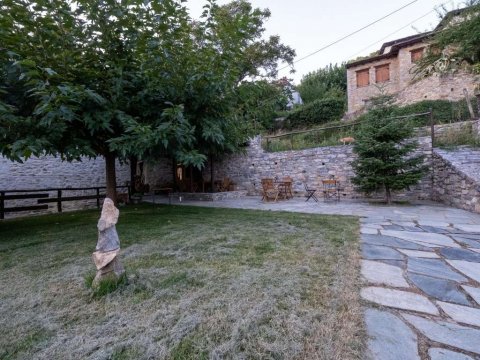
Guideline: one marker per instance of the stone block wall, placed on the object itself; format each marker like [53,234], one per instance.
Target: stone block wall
[456,178]
[308,166]
[402,85]
[50,172]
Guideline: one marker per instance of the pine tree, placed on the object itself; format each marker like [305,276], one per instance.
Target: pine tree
[384,149]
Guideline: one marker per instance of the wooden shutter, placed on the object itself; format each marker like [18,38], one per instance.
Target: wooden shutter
[416,54]
[382,73]
[363,77]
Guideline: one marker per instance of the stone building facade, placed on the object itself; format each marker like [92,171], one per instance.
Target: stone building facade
[390,72]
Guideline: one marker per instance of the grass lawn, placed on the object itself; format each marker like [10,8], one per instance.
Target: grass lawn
[202,283]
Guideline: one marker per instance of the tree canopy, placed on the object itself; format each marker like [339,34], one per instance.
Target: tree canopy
[131,77]
[328,82]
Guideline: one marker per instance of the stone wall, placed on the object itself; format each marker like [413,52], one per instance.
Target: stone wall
[401,84]
[50,172]
[308,166]
[456,178]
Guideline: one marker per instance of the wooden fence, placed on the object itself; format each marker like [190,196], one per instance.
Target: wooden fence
[43,198]
[290,135]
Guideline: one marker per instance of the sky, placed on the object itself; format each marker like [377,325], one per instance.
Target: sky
[309,25]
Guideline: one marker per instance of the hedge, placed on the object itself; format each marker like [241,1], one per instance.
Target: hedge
[317,112]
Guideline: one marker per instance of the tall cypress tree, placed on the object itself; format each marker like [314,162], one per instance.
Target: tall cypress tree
[385,154]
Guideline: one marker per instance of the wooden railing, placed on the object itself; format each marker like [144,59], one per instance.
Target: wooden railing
[291,134]
[43,198]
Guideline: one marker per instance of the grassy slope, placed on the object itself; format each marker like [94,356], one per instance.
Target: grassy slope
[203,282]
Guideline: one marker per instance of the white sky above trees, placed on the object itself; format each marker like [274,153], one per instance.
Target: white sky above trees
[308,25]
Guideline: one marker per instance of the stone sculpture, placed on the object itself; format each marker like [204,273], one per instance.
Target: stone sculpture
[108,245]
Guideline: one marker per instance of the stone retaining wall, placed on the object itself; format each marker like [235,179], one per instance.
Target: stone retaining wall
[456,178]
[307,166]
[50,172]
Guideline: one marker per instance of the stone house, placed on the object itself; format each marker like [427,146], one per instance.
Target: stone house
[390,72]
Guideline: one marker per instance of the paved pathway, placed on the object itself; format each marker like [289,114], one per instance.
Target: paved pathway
[422,270]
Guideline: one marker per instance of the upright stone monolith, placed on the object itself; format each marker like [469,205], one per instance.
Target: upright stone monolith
[108,245]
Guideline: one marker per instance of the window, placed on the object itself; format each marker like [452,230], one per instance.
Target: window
[416,55]
[363,77]
[382,73]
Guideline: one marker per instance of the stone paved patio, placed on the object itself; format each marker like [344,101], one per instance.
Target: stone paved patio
[422,270]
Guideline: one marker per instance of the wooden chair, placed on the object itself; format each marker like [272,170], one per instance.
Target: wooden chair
[330,189]
[288,181]
[310,193]
[269,191]
[224,185]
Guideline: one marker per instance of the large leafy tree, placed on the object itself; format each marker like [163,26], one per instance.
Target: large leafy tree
[385,154]
[122,78]
[328,82]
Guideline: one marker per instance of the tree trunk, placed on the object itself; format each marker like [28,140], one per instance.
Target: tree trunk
[211,173]
[111,179]
[388,195]
[133,172]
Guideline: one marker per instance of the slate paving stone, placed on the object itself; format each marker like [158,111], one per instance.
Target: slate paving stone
[461,314]
[471,269]
[380,273]
[436,230]
[460,254]
[398,263]
[413,229]
[389,337]
[392,242]
[461,337]
[373,252]
[469,228]
[433,223]
[398,299]
[444,354]
[425,239]
[419,254]
[367,230]
[393,227]
[434,268]
[468,242]
[473,292]
[468,236]
[438,288]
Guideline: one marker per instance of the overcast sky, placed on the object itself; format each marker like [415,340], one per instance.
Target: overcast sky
[308,25]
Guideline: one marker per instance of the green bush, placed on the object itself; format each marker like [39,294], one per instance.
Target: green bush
[444,111]
[317,112]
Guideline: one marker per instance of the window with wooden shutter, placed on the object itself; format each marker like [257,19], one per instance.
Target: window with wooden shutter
[363,78]
[416,55]
[382,73]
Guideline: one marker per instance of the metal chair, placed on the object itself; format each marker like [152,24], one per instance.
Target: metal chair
[310,193]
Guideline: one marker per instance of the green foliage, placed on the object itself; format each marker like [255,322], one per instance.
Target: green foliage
[258,103]
[385,160]
[317,112]
[329,82]
[128,78]
[458,136]
[444,111]
[456,45]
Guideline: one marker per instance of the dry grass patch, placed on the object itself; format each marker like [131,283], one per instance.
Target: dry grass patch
[203,283]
